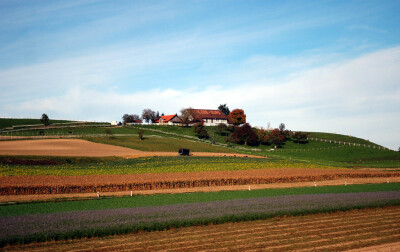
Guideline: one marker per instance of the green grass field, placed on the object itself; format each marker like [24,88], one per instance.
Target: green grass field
[171,138]
[154,143]
[26,166]
[9,122]
[171,199]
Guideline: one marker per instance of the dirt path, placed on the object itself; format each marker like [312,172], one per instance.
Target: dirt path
[83,148]
[44,197]
[355,229]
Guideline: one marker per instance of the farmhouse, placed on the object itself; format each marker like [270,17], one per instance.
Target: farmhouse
[169,120]
[208,117]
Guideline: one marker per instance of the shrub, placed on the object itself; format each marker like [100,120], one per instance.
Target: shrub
[201,131]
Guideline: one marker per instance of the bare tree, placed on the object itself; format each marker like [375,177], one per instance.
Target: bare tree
[282,127]
[187,115]
[149,115]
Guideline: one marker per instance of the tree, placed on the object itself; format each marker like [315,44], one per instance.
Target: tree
[300,137]
[109,133]
[187,116]
[141,134]
[276,137]
[45,119]
[200,131]
[221,129]
[282,127]
[238,116]
[224,109]
[245,135]
[149,115]
[263,136]
[130,118]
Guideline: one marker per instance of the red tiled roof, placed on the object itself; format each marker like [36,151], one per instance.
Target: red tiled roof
[167,117]
[209,114]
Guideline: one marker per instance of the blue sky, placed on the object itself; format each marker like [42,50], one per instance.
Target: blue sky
[331,66]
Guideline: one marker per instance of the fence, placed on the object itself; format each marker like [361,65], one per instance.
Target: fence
[373,146]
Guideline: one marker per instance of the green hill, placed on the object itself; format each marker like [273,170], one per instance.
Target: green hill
[10,122]
[321,148]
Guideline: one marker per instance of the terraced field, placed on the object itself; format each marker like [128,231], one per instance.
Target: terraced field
[320,232]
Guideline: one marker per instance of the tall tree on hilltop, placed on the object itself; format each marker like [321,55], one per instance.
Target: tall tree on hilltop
[149,115]
[238,116]
[224,109]
[45,119]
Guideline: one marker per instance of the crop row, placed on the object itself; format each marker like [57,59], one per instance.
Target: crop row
[146,165]
[66,225]
[157,185]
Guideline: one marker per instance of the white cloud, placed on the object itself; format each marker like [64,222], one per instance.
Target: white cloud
[360,97]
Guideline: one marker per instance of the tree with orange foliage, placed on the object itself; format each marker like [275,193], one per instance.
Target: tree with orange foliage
[238,116]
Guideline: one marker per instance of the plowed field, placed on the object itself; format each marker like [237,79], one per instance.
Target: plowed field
[24,185]
[82,148]
[321,232]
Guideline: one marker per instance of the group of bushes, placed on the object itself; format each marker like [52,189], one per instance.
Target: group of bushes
[247,135]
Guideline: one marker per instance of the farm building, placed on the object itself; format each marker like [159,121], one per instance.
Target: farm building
[169,120]
[135,122]
[208,117]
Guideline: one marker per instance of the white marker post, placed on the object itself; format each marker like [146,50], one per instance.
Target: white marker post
[345,183]
[131,193]
[315,184]
[387,181]
[249,188]
[98,195]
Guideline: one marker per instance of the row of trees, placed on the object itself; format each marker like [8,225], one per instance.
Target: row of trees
[247,135]
[148,116]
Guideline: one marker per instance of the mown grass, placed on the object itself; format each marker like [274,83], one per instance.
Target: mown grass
[171,199]
[14,166]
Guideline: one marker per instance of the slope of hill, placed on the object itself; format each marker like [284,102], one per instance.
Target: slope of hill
[10,122]
[322,148]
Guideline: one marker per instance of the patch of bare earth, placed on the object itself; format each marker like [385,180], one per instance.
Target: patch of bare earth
[83,148]
[355,229]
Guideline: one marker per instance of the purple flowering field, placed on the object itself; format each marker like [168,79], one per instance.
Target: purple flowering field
[146,218]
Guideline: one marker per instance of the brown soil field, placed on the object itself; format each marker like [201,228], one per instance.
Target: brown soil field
[24,185]
[45,197]
[83,148]
[339,231]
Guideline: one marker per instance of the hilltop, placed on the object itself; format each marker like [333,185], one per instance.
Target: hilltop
[321,148]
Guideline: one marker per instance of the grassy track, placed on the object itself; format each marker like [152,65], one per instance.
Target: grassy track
[171,199]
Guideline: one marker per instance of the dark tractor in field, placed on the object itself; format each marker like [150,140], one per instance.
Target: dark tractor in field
[184,152]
